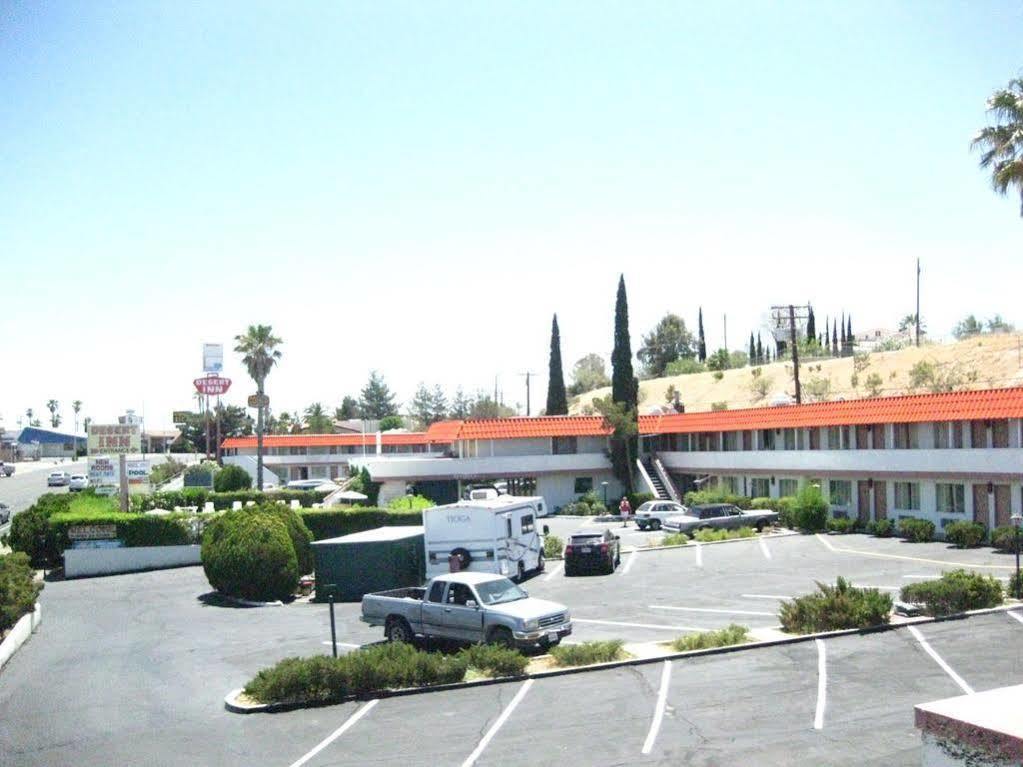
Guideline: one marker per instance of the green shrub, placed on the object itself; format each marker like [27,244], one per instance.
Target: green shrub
[336,521]
[675,539]
[810,510]
[955,592]
[198,496]
[731,634]
[18,589]
[710,536]
[1002,538]
[965,535]
[697,497]
[495,660]
[763,503]
[583,508]
[882,528]
[837,607]
[916,530]
[232,478]
[165,470]
[249,555]
[199,475]
[638,499]
[132,529]
[322,679]
[786,508]
[588,653]
[301,537]
[30,531]
[1013,589]
[410,503]
[553,547]
[843,526]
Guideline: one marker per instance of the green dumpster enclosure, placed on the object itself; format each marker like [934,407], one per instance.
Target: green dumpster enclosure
[373,560]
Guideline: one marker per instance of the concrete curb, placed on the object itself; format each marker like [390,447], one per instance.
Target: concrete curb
[230,705]
[692,542]
[23,629]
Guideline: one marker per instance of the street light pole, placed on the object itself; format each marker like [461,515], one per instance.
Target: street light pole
[1016,519]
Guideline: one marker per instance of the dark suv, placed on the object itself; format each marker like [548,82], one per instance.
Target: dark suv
[592,550]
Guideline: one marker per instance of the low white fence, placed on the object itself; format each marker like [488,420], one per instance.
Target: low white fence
[18,635]
[80,563]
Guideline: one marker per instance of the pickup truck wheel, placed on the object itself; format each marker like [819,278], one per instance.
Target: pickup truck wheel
[398,630]
[501,636]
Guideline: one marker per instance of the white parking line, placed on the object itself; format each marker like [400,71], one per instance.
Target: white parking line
[822,685]
[766,596]
[940,661]
[825,541]
[921,577]
[1014,614]
[763,548]
[554,572]
[662,700]
[628,563]
[639,625]
[342,644]
[497,725]
[336,734]
[708,610]
[699,555]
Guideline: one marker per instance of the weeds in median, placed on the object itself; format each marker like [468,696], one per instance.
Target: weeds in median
[832,608]
[709,536]
[955,592]
[553,547]
[674,539]
[588,652]
[495,660]
[732,634]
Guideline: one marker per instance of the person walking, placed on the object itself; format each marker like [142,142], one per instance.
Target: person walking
[624,509]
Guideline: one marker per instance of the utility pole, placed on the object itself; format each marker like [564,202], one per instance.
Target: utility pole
[779,313]
[527,374]
[918,302]
[726,333]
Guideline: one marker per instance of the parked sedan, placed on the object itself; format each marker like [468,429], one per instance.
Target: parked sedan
[718,516]
[78,482]
[58,479]
[589,550]
[653,514]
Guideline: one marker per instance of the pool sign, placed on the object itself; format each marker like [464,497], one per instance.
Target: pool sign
[212,386]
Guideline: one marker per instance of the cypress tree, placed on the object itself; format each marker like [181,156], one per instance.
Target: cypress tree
[760,350]
[752,350]
[701,351]
[848,332]
[624,387]
[841,326]
[834,338]
[557,402]
[827,335]
[811,327]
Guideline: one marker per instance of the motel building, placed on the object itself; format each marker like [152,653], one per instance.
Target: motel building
[943,457]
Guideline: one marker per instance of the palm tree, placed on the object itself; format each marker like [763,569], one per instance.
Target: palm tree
[317,421]
[28,415]
[258,347]
[52,406]
[1002,144]
[76,405]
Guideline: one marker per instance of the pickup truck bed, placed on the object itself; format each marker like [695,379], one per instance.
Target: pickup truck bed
[416,593]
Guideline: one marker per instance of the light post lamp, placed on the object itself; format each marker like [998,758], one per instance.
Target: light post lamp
[604,485]
[1016,520]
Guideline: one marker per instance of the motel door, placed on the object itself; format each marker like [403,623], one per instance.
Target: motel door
[1002,505]
[980,513]
[863,502]
[880,500]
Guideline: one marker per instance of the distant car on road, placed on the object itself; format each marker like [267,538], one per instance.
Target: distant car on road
[306,484]
[592,550]
[58,479]
[5,514]
[653,514]
[6,469]
[719,516]
[78,482]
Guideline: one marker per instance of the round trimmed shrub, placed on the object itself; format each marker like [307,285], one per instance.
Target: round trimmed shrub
[882,528]
[810,510]
[249,555]
[1004,538]
[301,538]
[231,478]
[916,530]
[965,535]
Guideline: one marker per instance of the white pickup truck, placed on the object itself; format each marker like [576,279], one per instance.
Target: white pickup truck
[470,607]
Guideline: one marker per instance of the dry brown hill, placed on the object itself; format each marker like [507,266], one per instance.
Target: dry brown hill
[981,362]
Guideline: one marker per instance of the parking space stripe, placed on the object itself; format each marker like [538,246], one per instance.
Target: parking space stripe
[822,685]
[699,555]
[1014,614]
[640,625]
[341,644]
[766,596]
[485,741]
[708,610]
[940,661]
[349,723]
[554,572]
[662,700]
[763,548]
[881,555]
[628,563]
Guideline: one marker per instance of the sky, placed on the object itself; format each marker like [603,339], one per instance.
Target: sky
[417,188]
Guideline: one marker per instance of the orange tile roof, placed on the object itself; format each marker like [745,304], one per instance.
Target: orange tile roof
[537,426]
[326,440]
[444,431]
[914,408]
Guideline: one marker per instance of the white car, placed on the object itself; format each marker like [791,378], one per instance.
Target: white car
[653,514]
[78,482]
[58,479]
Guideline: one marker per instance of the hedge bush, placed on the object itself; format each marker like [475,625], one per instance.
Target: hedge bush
[30,531]
[197,496]
[322,679]
[843,526]
[638,499]
[954,592]
[300,535]
[731,634]
[675,539]
[832,608]
[249,555]
[1014,588]
[810,510]
[709,536]
[965,535]
[1002,538]
[882,528]
[553,547]
[231,478]
[583,509]
[587,653]
[495,660]
[18,589]
[697,497]
[334,522]
[410,503]
[132,529]
[916,530]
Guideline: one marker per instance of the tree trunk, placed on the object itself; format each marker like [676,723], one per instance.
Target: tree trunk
[259,437]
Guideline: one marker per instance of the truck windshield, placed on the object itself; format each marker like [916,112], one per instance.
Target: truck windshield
[499,592]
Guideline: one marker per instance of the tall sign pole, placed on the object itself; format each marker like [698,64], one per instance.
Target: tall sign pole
[794,313]
[795,353]
[918,302]
[122,466]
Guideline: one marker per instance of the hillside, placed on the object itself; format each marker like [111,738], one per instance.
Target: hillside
[981,362]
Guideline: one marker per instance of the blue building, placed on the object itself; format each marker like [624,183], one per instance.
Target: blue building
[34,442]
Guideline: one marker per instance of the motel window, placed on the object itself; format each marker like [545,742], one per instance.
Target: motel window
[905,437]
[787,487]
[729,484]
[834,438]
[862,437]
[978,434]
[730,440]
[583,485]
[950,498]
[790,439]
[840,492]
[948,434]
[565,445]
[747,440]
[760,487]
[1000,433]
[767,439]
[814,439]
[522,486]
[296,450]
[907,496]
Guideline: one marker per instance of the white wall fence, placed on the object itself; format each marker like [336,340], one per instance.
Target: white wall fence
[23,629]
[81,563]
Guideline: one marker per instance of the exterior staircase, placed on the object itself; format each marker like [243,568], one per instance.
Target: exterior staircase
[653,481]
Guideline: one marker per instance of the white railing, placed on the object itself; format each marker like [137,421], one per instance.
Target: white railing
[651,487]
[666,480]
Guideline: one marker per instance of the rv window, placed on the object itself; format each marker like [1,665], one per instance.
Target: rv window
[527,523]
[507,521]
[437,591]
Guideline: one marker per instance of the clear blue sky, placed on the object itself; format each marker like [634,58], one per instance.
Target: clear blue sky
[417,187]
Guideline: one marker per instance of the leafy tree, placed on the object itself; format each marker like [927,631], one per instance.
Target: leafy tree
[391,422]
[624,424]
[908,323]
[234,422]
[738,359]
[258,347]
[588,374]
[460,405]
[968,326]
[439,404]
[28,416]
[557,402]
[349,409]
[1001,144]
[685,367]
[231,478]
[484,406]
[850,339]
[428,405]
[997,325]
[76,406]
[376,400]
[701,349]
[719,360]
[624,392]
[827,336]
[317,421]
[52,405]
[670,340]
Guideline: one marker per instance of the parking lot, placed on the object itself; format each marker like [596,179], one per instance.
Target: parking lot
[133,670]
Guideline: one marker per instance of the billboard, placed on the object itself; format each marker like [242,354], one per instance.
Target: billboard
[115,438]
[212,358]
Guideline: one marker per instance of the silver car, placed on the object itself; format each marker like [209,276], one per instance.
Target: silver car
[653,514]
[720,516]
[58,479]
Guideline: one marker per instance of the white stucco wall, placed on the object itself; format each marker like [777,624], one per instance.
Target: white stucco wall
[80,563]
